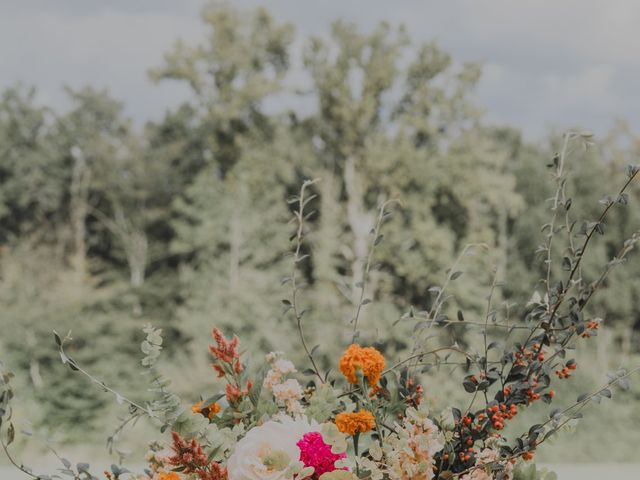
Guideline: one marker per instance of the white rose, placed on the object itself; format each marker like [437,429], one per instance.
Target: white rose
[267,451]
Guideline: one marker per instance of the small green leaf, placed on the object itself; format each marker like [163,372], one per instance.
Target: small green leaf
[11,434]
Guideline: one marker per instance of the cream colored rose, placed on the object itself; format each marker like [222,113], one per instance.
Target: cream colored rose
[268,451]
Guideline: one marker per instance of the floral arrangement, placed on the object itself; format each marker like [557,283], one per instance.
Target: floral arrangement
[366,418]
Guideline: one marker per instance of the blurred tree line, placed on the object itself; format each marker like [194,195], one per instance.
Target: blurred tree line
[184,223]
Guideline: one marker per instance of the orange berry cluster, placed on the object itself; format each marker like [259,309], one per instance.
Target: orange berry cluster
[532,395]
[498,414]
[465,457]
[591,326]
[524,356]
[466,424]
[565,372]
[526,456]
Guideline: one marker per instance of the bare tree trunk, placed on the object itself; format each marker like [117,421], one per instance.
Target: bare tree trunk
[79,206]
[360,222]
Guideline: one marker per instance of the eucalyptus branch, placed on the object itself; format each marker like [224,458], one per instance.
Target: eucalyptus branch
[66,360]
[6,412]
[112,439]
[19,466]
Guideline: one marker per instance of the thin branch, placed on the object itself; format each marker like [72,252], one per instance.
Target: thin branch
[590,234]
[119,397]
[375,236]
[297,258]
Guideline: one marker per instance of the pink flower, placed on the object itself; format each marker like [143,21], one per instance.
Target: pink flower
[314,452]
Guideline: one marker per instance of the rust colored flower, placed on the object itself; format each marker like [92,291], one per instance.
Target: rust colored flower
[188,455]
[356,422]
[367,359]
[214,472]
[219,370]
[191,459]
[226,351]
[234,394]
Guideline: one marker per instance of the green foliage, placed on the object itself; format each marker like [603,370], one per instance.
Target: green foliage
[106,226]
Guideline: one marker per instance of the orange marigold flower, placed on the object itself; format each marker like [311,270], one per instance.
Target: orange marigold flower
[214,409]
[356,422]
[169,476]
[197,408]
[210,410]
[369,360]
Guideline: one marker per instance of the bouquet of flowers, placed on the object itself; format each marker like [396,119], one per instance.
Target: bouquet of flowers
[365,418]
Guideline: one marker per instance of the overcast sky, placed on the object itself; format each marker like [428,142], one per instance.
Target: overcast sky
[546,63]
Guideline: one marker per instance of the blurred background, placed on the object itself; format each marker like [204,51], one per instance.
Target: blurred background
[147,150]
